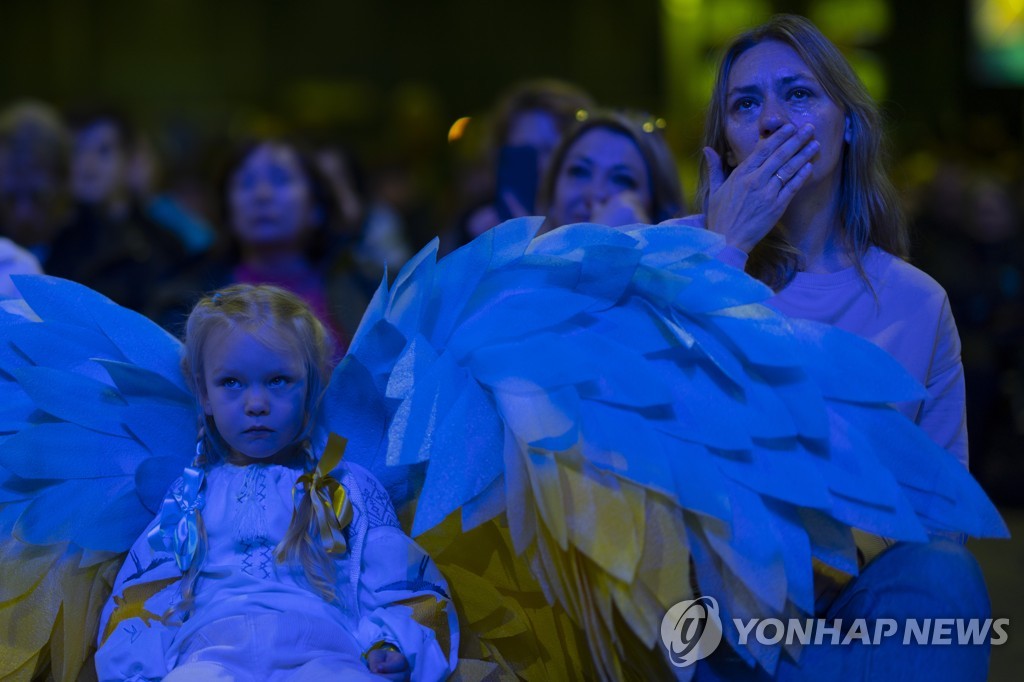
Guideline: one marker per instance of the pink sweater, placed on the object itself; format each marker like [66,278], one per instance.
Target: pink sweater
[910,319]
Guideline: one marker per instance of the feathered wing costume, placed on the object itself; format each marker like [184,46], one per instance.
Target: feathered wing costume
[573,423]
[96,423]
[578,416]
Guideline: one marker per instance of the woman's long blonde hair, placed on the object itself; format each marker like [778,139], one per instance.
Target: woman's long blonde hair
[276,317]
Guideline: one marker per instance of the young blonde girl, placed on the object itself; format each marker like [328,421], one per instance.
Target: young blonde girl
[271,559]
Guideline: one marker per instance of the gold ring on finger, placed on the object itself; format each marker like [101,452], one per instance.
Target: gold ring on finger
[781,179]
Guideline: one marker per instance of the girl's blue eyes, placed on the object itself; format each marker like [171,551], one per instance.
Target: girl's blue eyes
[231,382]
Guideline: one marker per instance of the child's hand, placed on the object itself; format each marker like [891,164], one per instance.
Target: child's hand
[389,663]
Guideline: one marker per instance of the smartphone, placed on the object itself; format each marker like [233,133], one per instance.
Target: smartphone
[517,175]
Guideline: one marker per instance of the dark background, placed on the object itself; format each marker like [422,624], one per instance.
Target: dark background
[388,77]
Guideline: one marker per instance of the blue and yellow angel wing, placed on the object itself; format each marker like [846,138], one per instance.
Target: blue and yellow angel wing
[580,418]
[96,422]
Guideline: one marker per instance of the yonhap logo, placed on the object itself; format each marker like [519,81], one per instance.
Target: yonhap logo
[691,630]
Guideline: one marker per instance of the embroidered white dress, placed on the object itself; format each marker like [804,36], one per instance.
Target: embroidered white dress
[257,619]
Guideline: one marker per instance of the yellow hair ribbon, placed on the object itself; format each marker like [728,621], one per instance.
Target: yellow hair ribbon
[332,509]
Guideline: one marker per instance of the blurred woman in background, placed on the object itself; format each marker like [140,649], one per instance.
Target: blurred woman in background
[277,212]
[109,244]
[612,168]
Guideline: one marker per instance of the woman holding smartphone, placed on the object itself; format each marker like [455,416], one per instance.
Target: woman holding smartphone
[528,122]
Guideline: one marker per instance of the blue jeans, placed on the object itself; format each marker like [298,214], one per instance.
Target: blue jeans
[938,579]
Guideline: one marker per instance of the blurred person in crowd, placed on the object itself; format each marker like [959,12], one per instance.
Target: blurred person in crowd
[370,230]
[969,238]
[278,214]
[33,175]
[528,123]
[15,260]
[109,244]
[117,169]
[613,168]
[163,208]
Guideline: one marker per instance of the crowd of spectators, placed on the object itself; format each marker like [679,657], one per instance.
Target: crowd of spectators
[85,194]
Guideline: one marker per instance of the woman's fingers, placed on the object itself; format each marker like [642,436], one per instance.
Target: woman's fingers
[767,147]
[745,205]
[791,156]
[793,185]
[716,172]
